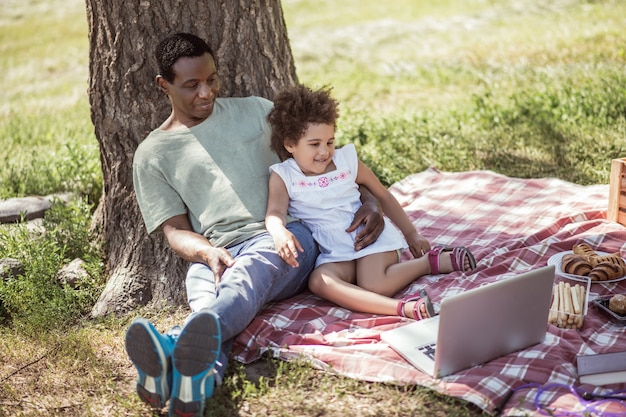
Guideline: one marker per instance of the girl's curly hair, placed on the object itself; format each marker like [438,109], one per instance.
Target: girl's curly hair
[294,110]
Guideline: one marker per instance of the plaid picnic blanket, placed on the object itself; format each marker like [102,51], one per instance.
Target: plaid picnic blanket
[511,225]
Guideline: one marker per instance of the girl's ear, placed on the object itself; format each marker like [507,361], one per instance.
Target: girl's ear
[290,145]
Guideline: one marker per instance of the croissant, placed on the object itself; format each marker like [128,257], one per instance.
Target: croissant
[575,264]
[605,271]
[583,249]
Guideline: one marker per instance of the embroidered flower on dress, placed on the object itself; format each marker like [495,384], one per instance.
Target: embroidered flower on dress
[321,182]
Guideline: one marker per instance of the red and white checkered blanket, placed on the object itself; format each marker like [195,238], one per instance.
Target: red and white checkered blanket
[511,225]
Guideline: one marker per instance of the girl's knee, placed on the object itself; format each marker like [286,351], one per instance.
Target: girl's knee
[320,284]
[315,283]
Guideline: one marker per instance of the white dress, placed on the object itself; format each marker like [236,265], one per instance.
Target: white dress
[326,205]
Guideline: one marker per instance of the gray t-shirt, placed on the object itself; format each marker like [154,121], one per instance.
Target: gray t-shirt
[215,172]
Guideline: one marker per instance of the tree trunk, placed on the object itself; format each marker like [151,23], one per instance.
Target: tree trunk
[253,58]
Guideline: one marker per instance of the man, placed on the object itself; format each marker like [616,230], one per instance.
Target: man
[201,180]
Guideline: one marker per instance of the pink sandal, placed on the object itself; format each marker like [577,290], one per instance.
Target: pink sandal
[422,298]
[458,255]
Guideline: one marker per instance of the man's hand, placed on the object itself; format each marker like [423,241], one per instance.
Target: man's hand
[369,216]
[194,247]
[218,259]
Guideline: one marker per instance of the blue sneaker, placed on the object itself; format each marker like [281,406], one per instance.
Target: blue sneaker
[195,354]
[151,353]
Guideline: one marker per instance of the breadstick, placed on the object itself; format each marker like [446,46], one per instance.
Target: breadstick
[569,309]
[567,306]
[563,314]
[579,321]
[583,297]
[554,308]
[575,302]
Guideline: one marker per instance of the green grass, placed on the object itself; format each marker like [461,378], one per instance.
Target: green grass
[517,88]
[526,89]
[47,141]
[36,301]
[570,130]
[43,55]
[48,153]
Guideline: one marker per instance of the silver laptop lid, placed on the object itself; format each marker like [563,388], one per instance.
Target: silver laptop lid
[493,320]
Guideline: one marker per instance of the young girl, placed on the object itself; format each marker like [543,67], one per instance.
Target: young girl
[319,185]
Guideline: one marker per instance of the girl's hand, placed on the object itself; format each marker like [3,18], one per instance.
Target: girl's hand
[287,246]
[418,244]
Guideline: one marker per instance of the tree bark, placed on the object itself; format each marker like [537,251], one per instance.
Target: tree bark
[253,57]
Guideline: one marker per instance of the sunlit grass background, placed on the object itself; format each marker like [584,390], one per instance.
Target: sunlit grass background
[526,89]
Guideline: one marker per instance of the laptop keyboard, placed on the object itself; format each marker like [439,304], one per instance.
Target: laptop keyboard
[428,350]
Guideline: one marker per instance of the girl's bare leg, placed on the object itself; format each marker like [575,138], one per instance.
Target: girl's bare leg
[336,282]
[382,273]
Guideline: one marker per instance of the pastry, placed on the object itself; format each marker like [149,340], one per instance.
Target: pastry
[575,264]
[614,258]
[605,271]
[617,304]
[584,250]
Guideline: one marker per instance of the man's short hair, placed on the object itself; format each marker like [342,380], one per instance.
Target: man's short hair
[177,46]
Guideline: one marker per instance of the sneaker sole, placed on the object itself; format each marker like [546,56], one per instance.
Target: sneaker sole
[196,351]
[148,357]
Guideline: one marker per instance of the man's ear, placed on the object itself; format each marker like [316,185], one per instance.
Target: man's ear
[162,84]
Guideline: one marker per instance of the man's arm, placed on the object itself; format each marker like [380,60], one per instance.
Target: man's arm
[370,217]
[194,247]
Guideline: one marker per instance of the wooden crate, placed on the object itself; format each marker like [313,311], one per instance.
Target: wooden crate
[617,192]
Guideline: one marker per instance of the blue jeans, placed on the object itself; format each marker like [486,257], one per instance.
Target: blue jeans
[258,276]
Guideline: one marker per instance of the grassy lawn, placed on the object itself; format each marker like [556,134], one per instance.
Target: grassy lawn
[526,89]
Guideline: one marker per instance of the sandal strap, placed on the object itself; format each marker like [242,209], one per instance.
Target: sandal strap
[400,308]
[459,254]
[421,298]
[417,312]
[430,309]
[433,259]
[457,258]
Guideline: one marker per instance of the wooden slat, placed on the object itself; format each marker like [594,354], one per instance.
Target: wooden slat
[617,188]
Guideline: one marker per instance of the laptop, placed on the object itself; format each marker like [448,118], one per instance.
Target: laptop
[478,325]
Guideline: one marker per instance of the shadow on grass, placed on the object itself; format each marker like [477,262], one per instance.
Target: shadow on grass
[277,388]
